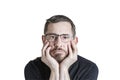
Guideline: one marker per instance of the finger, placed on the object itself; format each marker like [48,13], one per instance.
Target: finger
[48,52]
[44,48]
[69,49]
[45,43]
[74,47]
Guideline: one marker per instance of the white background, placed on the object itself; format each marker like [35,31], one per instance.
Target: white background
[21,27]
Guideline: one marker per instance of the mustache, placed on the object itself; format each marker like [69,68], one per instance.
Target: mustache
[58,49]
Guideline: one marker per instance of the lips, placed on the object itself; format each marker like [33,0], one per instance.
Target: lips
[58,51]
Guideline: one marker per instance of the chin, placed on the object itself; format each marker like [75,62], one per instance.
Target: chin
[60,58]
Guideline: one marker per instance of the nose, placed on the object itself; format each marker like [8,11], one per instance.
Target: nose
[58,42]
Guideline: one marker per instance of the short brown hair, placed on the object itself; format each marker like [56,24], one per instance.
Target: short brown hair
[59,18]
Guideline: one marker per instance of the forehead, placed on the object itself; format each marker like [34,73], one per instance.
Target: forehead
[59,28]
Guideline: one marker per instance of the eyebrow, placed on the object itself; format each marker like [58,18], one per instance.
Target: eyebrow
[55,34]
[50,34]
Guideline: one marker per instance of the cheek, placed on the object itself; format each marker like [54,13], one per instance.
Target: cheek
[65,48]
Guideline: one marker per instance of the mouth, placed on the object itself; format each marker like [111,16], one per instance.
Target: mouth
[58,52]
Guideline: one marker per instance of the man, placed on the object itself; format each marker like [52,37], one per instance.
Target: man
[59,60]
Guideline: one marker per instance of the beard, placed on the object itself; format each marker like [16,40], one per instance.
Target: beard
[58,54]
[59,58]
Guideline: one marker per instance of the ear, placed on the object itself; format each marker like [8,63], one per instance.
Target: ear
[75,40]
[43,39]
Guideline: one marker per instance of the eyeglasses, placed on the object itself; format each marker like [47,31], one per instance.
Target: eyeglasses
[53,37]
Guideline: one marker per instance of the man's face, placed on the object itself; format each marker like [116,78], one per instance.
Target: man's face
[59,36]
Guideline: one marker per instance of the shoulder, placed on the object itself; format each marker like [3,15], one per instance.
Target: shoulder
[85,64]
[89,65]
[33,65]
[34,62]
[84,68]
[83,61]
[35,69]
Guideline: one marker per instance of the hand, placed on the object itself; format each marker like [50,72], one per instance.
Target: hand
[48,59]
[72,56]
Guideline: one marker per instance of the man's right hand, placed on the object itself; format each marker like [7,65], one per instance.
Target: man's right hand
[50,62]
[48,59]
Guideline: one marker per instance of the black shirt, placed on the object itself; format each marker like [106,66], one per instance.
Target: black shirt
[82,69]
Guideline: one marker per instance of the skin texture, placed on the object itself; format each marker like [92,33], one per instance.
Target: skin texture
[58,55]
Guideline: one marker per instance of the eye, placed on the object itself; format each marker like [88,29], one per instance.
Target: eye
[52,37]
[65,37]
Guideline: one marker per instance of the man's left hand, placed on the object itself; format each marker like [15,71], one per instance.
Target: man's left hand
[72,56]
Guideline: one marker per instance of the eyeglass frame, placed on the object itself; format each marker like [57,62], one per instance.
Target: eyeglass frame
[56,37]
